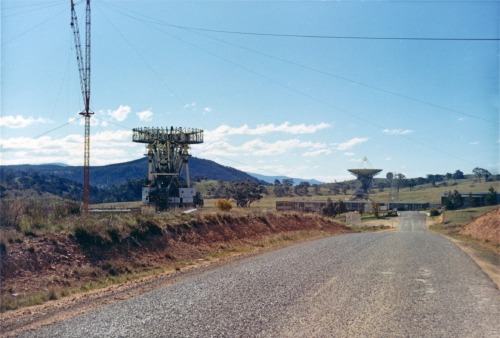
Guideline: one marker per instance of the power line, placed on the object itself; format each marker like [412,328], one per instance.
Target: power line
[33,28]
[56,128]
[153,21]
[359,117]
[349,80]
[153,71]
[115,124]
[39,6]
[315,36]
[333,37]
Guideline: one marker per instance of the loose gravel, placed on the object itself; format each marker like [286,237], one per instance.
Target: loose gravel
[405,283]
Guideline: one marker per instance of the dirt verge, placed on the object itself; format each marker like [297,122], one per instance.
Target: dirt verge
[62,267]
[480,239]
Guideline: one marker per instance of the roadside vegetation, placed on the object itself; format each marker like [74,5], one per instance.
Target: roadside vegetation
[451,222]
[49,249]
[484,242]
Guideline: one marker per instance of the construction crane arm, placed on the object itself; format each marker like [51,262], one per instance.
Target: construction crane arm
[78,46]
[83,69]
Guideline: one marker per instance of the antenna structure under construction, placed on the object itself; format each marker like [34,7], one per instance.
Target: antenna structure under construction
[168,184]
[84,71]
[364,175]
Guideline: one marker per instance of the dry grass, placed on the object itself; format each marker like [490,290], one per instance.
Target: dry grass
[428,193]
[451,222]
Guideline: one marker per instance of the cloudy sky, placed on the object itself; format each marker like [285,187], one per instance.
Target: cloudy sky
[298,88]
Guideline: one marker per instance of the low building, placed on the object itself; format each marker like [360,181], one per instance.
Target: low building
[409,206]
[473,199]
[365,206]
[317,206]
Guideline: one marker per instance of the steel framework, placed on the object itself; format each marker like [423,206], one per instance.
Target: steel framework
[168,155]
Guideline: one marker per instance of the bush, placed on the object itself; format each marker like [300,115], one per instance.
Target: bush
[434,212]
[87,237]
[223,204]
[12,212]
[146,228]
[391,213]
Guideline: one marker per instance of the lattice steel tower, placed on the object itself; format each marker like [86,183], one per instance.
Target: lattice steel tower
[168,184]
[84,71]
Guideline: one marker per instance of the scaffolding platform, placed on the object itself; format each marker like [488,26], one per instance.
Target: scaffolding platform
[173,135]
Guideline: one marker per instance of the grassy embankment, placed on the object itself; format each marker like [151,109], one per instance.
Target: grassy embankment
[450,223]
[50,251]
[33,222]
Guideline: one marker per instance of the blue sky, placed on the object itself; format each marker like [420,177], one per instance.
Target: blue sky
[305,95]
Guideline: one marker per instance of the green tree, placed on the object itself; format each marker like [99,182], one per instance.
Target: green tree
[341,207]
[245,193]
[454,201]
[287,184]
[491,198]
[279,190]
[411,184]
[458,175]
[329,209]
[375,209]
[198,200]
[471,201]
[302,188]
[480,172]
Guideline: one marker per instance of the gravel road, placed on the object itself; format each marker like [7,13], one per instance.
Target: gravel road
[405,283]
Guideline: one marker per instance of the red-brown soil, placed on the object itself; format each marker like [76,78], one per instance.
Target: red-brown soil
[486,227]
[46,265]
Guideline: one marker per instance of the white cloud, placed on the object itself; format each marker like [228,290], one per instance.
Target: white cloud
[474,143]
[146,115]
[348,153]
[257,147]
[112,136]
[120,114]
[191,105]
[106,147]
[316,153]
[397,131]
[388,158]
[351,143]
[207,110]
[223,131]
[19,121]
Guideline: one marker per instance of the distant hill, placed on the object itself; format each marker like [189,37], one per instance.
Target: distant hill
[118,182]
[271,179]
[115,174]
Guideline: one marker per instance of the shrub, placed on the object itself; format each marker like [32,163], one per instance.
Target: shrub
[434,212]
[12,212]
[392,213]
[223,204]
[114,234]
[87,237]
[146,228]
[3,247]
